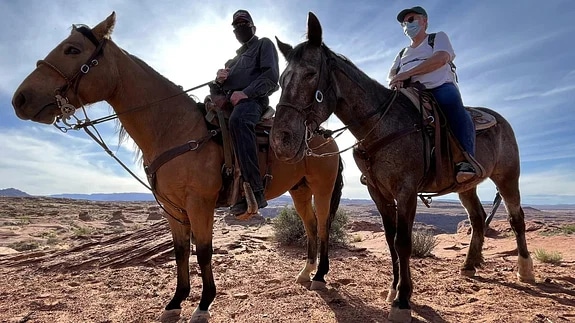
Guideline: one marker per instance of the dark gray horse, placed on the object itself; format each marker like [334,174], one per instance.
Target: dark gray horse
[317,82]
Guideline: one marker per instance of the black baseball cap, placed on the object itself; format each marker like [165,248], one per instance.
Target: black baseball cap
[242,15]
[404,12]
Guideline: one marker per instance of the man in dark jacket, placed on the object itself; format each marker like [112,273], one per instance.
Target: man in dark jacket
[248,80]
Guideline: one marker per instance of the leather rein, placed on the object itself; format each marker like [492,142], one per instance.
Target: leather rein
[68,110]
[384,108]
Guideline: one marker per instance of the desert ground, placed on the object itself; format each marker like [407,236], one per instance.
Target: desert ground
[65,260]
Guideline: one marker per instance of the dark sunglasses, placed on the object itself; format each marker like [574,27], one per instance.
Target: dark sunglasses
[409,20]
[242,24]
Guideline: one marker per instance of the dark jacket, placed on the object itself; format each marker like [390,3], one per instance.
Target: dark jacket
[255,70]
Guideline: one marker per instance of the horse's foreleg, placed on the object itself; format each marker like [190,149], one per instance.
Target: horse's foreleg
[181,239]
[322,206]
[302,201]
[388,212]
[202,219]
[509,190]
[401,308]
[477,216]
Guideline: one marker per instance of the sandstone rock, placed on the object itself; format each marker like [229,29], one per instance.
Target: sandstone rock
[85,216]
[117,216]
[241,295]
[154,216]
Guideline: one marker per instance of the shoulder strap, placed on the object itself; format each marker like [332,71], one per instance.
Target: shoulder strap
[431,40]
[402,51]
[399,63]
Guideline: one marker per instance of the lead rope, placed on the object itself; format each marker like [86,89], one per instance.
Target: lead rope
[309,150]
[86,123]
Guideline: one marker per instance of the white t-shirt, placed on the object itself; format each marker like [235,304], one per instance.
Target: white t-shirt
[415,56]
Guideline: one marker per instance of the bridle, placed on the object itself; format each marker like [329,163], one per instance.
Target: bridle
[309,114]
[307,111]
[67,111]
[66,108]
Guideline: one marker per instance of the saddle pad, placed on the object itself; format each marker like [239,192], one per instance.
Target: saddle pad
[482,119]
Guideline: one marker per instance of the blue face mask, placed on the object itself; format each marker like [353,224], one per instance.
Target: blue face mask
[411,29]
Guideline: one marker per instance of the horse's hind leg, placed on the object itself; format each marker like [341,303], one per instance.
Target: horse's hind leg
[477,217]
[181,240]
[509,190]
[302,198]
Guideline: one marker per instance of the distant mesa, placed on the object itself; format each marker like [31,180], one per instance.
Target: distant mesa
[108,197]
[529,208]
[12,192]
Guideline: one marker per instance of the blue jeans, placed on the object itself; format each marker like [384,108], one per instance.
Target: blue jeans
[243,120]
[459,120]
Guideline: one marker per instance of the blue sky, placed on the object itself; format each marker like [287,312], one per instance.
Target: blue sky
[515,57]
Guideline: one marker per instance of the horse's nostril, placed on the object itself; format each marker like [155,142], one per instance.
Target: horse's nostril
[18,100]
[285,137]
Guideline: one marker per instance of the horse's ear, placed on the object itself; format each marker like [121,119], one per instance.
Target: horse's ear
[285,49]
[105,28]
[313,30]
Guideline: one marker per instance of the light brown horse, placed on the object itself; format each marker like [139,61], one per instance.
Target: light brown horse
[89,67]
[317,82]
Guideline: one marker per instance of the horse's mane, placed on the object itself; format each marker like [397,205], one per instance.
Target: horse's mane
[148,68]
[344,64]
[122,133]
[355,73]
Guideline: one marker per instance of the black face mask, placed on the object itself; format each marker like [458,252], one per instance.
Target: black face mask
[243,33]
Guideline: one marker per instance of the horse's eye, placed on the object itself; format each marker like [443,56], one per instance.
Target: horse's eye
[72,51]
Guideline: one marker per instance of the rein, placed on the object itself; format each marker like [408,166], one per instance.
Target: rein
[326,133]
[68,111]
[87,122]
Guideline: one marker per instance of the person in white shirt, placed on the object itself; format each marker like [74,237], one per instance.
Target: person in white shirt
[432,67]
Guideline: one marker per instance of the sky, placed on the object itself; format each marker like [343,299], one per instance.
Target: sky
[516,57]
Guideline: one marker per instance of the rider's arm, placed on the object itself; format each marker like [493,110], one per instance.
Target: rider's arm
[393,69]
[442,54]
[437,60]
[267,82]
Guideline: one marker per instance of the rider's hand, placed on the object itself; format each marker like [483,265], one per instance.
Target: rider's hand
[222,75]
[396,81]
[237,96]
[396,85]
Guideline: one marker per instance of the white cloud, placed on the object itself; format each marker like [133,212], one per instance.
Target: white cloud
[501,65]
[31,161]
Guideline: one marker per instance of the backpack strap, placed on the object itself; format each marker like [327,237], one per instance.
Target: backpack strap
[431,39]
[431,42]
[399,63]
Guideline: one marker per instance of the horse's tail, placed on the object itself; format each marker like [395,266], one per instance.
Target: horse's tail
[336,194]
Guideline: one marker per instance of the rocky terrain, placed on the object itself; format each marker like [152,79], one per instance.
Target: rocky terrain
[64,260]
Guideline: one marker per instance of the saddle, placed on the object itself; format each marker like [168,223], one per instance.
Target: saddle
[440,136]
[217,115]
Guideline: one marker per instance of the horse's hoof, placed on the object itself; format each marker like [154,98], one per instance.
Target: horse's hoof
[200,316]
[399,315]
[467,272]
[169,316]
[317,285]
[391,295]
[245,216]
[525,270]
[302,279]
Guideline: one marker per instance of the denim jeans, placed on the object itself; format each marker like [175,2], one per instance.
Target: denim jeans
[243,120]
[459,120]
